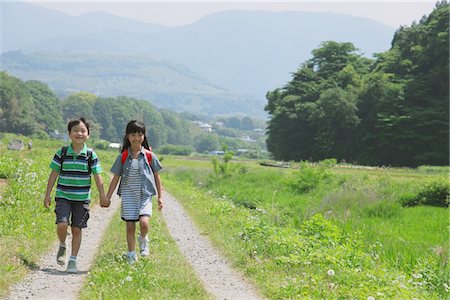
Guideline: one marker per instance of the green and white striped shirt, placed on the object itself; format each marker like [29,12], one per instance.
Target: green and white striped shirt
[74,180]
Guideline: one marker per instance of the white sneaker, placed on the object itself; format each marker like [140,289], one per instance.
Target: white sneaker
[143,245]
[131,259]
[72,266]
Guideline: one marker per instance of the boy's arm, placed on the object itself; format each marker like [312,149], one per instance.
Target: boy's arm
[159,189]
[50,184]
[104,202]
[112,186]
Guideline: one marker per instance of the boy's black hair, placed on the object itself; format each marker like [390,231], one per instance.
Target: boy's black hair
[135,126]
[77,122]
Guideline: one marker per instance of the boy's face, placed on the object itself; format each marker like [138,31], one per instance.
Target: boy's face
[136,139]
[79,134]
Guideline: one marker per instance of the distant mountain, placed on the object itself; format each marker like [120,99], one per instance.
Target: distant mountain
[163,83]
[248,52]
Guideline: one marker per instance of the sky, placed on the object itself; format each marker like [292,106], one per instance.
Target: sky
[177,13]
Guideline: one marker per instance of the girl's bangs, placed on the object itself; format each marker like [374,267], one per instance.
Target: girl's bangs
[135,128]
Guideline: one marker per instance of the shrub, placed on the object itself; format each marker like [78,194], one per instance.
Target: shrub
[175,150]
[434,193]
[307,177]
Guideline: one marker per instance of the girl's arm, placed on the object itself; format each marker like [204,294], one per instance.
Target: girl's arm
[159,190]
[112,186]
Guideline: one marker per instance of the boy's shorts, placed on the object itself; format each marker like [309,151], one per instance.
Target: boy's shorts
[77,211]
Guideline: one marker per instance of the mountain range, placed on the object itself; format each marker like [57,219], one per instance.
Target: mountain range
[223,63]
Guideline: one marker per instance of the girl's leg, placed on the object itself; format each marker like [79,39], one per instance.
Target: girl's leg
[131,239]
[143,225]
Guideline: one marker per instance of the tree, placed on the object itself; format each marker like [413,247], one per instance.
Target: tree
[314,116]
[48,107]
[17,110]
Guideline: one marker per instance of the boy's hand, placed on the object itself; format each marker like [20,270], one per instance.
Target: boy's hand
[47,201]
[160,203]
[105,201]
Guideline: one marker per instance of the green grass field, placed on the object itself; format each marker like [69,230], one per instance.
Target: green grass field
[286,229]
[328,232]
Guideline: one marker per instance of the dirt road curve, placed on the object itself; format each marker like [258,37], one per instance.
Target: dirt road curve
[51,281]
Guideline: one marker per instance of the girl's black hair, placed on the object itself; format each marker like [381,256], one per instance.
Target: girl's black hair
[134,126]
[77,122]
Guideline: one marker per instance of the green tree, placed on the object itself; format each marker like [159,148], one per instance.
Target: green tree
[48,107]
[17,110]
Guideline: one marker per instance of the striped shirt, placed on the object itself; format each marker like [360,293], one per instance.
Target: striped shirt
[74,180]
[134,203]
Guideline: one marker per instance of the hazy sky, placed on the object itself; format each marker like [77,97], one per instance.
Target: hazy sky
[175,13]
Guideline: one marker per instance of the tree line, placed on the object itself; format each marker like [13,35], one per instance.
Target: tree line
[31,108]
[390,110]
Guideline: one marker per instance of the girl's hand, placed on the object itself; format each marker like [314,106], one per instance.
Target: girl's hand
[160,203]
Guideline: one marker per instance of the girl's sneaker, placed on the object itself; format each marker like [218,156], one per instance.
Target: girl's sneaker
[143,245]
[131,258]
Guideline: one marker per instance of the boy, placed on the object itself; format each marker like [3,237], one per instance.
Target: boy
[72,166]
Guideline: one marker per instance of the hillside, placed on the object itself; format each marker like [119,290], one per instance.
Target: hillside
[244,52]
[163,83]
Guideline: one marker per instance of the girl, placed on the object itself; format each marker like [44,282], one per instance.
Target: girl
[138,169]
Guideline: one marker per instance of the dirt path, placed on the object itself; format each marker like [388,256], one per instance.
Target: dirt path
[51,281]
[217,276]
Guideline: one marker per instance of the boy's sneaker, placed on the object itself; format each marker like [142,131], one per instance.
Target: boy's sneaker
[132,258]
[61,256]
[72,266]
[143,245]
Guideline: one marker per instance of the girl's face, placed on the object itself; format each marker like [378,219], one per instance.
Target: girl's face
[79,134]
[136,139]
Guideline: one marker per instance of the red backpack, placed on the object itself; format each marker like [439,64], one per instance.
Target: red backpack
[148,153]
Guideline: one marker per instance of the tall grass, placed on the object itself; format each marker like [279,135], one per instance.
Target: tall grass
[276,233]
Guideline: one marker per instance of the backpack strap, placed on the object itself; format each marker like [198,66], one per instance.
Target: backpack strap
[90,162]
[148,154]
[63,155]
[124,156]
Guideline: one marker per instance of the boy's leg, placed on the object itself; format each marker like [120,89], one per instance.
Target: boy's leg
[62,211]
[80,216]
[61,231]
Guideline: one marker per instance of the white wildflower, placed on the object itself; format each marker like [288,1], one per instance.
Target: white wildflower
[330,272]
[370,298]
[129,278]
[417,276]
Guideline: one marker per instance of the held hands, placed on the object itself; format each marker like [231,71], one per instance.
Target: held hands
[105,201]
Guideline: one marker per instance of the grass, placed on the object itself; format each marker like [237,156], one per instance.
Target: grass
[376,247]
[163,275]
[26,227]
[333,233]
